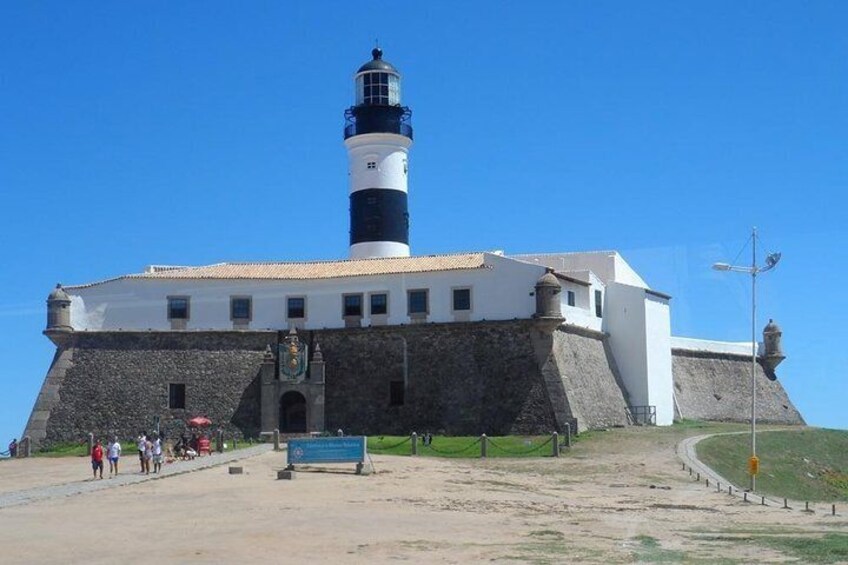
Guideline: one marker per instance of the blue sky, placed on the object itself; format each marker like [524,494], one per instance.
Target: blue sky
[198,132]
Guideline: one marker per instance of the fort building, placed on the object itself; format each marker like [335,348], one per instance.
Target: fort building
[386,341]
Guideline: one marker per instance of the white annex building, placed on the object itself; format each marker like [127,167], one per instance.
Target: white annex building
[381,284]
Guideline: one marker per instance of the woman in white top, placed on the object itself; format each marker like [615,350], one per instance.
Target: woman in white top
[157,454]
[113,453]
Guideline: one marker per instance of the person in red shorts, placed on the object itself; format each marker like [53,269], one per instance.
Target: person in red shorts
[97,459]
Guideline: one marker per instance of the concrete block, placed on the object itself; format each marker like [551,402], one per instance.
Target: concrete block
[285,474]
[236,470]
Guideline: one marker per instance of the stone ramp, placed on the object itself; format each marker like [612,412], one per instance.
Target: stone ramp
[37,494]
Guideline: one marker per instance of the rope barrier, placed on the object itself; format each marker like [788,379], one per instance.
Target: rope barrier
[386,447]
[521,452]
[452,451]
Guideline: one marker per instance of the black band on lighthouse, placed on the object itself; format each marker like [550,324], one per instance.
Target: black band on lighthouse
[378,214]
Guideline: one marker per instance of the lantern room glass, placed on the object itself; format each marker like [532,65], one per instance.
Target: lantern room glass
[378,89]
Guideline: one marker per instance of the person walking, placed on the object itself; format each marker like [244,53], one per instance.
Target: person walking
[13,448]
[114,453]
[97,459]
[141,444]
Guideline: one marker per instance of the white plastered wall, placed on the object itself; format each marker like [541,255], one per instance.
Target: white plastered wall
[639,326]
[503,291]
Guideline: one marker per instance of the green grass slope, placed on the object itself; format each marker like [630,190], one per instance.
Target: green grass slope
[807,464]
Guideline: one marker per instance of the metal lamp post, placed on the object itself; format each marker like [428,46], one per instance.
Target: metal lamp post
[753,270]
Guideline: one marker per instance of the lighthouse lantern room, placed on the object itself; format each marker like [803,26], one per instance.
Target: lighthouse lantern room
[378,135]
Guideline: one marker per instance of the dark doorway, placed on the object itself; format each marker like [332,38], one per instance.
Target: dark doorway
[293,413]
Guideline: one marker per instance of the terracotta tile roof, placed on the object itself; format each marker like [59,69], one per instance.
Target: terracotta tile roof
[311,269]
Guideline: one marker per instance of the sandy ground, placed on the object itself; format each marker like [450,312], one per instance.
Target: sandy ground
[622,500]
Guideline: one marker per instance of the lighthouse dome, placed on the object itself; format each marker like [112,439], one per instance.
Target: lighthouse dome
[377,63]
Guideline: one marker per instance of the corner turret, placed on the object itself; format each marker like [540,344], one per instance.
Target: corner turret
[58,315]
[547,296]
[772,349]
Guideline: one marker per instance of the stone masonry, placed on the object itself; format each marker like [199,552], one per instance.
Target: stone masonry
[510,377]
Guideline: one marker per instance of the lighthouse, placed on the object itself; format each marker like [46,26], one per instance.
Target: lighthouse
[378,135]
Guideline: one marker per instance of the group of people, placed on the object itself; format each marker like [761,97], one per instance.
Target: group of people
[112,453]
[188,448]
[13,448]
[151,452]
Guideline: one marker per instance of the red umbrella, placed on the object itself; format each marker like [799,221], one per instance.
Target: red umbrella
[199,421]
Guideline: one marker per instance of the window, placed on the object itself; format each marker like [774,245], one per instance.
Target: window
[372,164]
[396,393]
[240,308]
[417,301]
[379,304]
[176,396]
[296,307]
[462,299]
[599,303]
[178,307]
[570,295]
[352,305]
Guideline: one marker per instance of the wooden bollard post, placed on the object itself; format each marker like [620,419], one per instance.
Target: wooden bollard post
[718,486]
[414,438]
[219,441]
[276,439]
[684,466]
[807,506]
[235,441]
[90,443]
[555,442]
[568,434]
[708,482]
[745,497]
[483,446]
[763,501]
[699,477]
[690,471]
[785,504]
[730,490]
[833,510]
[27,449]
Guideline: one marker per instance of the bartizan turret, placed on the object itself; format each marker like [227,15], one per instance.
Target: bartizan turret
[772,349]
[547,296]
[58,315]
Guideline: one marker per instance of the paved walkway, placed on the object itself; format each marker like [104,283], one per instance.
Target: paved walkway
[29,496]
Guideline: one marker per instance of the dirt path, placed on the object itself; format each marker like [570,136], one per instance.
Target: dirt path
[620,500]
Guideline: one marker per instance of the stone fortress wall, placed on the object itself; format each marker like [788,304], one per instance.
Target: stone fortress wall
[511,377]
[717,386]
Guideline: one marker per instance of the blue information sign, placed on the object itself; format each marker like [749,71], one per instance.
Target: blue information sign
[327,450]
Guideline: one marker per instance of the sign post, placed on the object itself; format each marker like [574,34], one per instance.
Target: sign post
[351,449]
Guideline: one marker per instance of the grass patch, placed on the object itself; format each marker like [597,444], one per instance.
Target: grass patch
[829,548]
[68,449]
[809,464]
[464,447]
[647,541]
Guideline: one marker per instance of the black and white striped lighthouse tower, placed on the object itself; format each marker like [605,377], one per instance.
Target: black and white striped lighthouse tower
[378,134]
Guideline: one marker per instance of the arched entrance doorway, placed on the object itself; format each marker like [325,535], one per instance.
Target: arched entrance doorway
[292,413]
